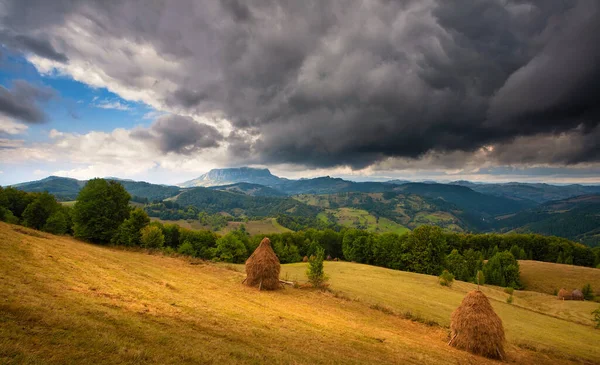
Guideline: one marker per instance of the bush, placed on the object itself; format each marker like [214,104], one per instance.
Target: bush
[446,279]
[230,248]
[509,290]
[316,272]
[596,318]
[509,300]
[57,223]
[152,237]
[129,232]
[588,292]
[187,249]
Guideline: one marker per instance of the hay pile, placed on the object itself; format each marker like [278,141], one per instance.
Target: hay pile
[564,294]
[262,267]
[476,328]
[305,259]
[577,295]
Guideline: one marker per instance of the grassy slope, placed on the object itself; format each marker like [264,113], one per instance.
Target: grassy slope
[263,226]
[545,277]
[570,335]
[350,216]
[66,302]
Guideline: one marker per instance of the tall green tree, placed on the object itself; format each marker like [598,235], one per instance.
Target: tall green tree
[457,265]
[100,209]
[152,237]
[426,247]
[230,248]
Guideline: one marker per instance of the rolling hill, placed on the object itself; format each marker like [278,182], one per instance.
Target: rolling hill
[576,218]
[66,189]
[539,193]
[215,201]
[67,302]
[249,189]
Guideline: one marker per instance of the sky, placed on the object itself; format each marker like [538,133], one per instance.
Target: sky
[163,91]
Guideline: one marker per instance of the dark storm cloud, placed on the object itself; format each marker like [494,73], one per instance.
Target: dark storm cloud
[25,43]
[22,101]
[177,134]
[353,83]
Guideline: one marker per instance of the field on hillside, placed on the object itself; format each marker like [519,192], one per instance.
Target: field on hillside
[67,302]
[534,320]
[263,226]
[358,218]
[546,277]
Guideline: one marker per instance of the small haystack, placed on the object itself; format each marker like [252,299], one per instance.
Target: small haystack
[328,257]
[336,259]
[305,259]
[577,295]
[476,328]
[564,294]
[262,267]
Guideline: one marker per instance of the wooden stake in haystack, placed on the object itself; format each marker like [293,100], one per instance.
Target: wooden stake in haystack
[262,267]
[476,328]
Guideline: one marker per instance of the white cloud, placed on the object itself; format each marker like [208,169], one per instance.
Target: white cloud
[112,105]
[8,126]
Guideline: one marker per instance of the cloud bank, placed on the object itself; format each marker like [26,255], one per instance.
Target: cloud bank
[359,84]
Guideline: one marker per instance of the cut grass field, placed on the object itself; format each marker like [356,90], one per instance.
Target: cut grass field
[263,226]
[67,302]
[534,320]
[546,277]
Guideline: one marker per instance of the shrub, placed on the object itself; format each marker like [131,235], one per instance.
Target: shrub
[316,272]
[596,318]
[56,223]
[186,248]
[152,237]
[446,279]
[588,293]
[509,290]
[509,300]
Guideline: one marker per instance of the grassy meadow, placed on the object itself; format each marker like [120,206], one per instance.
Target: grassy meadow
[352,217]
[546,277]
[68,302]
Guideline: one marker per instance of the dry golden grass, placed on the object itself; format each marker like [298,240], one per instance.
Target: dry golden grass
[67,302]
[546,277]
[534,320]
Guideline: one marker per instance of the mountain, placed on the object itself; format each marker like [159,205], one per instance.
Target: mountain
[218,177]
[249,189]
[66,189]
[470,201]
[576,218]
[63,188]
[538,192]
[215,201]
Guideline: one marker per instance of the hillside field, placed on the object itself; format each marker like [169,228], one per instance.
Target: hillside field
[263,226]
[546,277]
[68,302]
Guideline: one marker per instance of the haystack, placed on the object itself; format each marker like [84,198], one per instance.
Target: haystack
[577,295]
[328,257]
[305,259]
[262,267]
[564,294]
[476,328]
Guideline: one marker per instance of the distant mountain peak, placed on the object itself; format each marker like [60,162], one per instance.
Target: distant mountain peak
[234,175]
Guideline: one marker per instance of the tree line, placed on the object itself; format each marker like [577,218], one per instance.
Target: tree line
[102,214]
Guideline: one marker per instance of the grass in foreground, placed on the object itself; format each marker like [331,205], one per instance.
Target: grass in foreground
[534,320]
[67,302]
